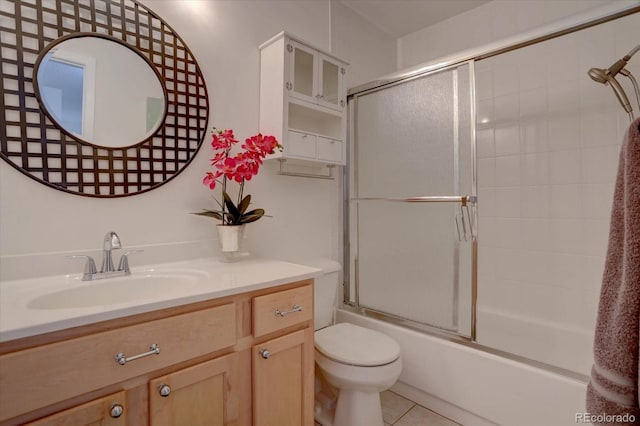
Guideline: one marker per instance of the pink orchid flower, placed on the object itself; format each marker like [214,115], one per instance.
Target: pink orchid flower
[238,168]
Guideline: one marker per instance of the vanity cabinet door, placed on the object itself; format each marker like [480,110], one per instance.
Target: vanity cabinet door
[330,75]
[106,411]
[283,380]
[303,65]
[207,394]
[315,77]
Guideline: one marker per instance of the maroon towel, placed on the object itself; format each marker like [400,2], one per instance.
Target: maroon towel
[612,393]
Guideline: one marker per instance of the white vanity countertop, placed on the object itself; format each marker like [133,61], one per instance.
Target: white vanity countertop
[40,305]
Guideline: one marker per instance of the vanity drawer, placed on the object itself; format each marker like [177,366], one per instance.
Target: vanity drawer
[274,311]
[329,149]
[301,144]
[47,374]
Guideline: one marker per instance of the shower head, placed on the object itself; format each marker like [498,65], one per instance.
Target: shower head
[603,76]
[617,66]
[598,75]
[621,63]
[619,91]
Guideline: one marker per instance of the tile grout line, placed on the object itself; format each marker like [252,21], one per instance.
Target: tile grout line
[405,413]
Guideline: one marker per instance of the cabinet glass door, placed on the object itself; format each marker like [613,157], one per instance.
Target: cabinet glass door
[330,84]
[303,68]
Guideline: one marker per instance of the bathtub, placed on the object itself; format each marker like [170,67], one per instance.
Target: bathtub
[473,387]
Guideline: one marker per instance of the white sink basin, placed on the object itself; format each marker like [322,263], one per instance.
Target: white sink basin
[119,290]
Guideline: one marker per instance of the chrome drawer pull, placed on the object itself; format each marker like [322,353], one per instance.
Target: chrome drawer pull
[153,350]
[294,308]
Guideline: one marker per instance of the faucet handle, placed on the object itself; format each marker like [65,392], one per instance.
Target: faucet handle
[112,241]
[124,261]
[89,266]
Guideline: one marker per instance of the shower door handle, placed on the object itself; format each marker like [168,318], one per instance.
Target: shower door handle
[464,220]
[457,220]
[470,221]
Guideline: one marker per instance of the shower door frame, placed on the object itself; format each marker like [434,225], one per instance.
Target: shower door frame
[566,26]
[471,199]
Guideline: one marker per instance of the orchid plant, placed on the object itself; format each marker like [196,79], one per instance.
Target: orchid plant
[239,168]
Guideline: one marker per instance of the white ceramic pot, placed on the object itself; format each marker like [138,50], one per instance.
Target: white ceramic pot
[229,237]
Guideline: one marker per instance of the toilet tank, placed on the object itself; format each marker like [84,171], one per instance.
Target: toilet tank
[325,291]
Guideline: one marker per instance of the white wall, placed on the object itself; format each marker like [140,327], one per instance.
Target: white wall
[370,51]
[38,225]
[484,24]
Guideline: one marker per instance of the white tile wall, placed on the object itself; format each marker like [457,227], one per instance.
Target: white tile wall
[548,141]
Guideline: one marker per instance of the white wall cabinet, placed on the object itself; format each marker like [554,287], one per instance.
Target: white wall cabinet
[302,101]
[315,77]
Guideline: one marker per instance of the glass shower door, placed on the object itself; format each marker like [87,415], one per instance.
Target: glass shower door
[412,257]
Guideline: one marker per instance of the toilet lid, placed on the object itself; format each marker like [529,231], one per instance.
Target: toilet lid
[355,345]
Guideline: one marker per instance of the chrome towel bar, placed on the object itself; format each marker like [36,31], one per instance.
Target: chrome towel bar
[463,199]
[464,220]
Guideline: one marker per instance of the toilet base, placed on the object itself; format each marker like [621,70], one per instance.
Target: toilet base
[357,408]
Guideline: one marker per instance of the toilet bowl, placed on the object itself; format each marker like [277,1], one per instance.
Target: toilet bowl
[358,363]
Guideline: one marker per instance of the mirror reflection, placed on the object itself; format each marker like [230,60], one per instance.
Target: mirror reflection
[100,91]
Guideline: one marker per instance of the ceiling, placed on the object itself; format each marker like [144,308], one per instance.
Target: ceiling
[402,17]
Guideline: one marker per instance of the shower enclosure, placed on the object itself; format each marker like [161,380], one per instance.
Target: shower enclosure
[478,195]
[414,168]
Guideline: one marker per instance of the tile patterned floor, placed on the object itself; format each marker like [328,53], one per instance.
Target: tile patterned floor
[399,411]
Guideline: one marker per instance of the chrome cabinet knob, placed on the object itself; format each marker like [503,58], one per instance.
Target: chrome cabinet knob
[264,353]
[164,390]
[116,411]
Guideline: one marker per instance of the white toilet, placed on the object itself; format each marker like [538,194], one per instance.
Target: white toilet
[359,362]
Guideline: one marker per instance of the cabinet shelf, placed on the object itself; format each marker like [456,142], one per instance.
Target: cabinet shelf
[307,120]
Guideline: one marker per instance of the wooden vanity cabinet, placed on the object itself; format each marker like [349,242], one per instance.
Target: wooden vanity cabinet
[105,411]
[283,380]
[283,366]
[211,369]
[203,395]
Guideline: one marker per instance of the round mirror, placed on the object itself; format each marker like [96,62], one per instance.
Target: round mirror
[141,148]
[99,90]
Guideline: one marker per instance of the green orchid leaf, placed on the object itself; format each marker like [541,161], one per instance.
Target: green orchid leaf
[252,216]
[256,211]
[244,204]
[210,213]
[233,210]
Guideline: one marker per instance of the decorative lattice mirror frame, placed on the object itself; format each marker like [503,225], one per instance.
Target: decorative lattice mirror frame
[34,145]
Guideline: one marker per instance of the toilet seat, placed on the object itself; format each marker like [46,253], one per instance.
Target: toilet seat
[354,345]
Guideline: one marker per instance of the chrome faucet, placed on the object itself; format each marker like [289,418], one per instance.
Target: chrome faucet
[111,241]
